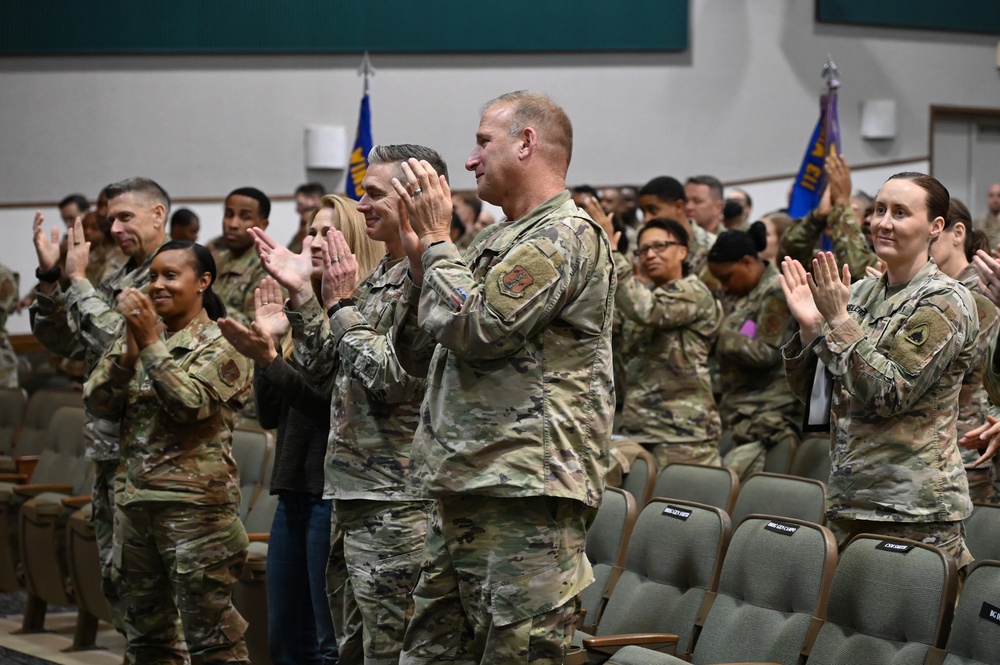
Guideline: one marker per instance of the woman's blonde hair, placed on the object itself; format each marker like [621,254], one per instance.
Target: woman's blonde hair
[351,223]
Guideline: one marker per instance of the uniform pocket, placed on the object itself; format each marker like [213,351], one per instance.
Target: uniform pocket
[540,591]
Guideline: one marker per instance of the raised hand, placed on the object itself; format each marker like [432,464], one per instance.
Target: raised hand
[795,284]
[839,175]
[293,271]
[988,433]
[252,342]
[831,292]
[140,317]
[269,308]
[429,206]
[604,220]
[77,252]
[989,275]
[340,269]
[46,245]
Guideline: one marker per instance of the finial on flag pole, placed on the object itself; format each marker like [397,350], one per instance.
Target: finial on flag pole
[830,73]
[366,70]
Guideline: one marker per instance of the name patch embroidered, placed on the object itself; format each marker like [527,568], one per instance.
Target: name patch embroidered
[890,546]
[677,513]
[990,613]
[782,528]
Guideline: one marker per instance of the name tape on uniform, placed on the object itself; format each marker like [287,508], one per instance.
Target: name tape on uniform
[782,528]
[990,613]
[890,546]
[677,513]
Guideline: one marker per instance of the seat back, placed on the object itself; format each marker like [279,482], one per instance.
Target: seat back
[606,546]
[263,504]
[775,580]
[635,655]
[778,458]
[812,458]
[641,477]
[781,496]
[251,450]
[63,457]
[12,402]
[712,485]
[671,564]
[42,405]
[982,531]
[975,632]
[891,601]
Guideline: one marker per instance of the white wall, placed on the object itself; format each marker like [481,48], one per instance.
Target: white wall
[739,104]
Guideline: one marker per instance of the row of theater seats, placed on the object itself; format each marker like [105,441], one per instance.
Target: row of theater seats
[676,584]
[51,549]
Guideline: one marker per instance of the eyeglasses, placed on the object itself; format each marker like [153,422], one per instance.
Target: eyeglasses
[658,247]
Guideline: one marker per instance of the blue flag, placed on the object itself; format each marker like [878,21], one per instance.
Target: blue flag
[358,163]
[811,180]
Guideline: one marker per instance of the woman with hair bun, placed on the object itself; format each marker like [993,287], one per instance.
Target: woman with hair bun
[897,347]
[758,407]
[179,542]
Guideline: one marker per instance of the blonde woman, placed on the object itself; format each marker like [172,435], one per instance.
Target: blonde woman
[339,212]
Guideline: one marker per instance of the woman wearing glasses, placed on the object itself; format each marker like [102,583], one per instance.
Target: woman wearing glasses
[670,319]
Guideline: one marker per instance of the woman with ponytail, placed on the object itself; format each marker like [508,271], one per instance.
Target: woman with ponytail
[175,385]
[953,251]
[758,407]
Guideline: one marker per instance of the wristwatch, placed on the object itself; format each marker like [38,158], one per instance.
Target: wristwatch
[343,302]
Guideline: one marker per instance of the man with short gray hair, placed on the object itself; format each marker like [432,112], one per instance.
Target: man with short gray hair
[81,322]
[515,338]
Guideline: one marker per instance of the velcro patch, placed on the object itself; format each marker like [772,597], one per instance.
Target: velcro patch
[523,274]
[917,335]
[677,513]
[229,372]
[892,546]
[782,528]
[920,339]
[990,613]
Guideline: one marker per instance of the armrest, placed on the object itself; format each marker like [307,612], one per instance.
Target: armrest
[18,478]
[35,490]
[26,464]
[259,537]
[626,639]
[76,502]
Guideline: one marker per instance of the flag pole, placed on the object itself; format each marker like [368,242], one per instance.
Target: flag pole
[830,73]
[366,70]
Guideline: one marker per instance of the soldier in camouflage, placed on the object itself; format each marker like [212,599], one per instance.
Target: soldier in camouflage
[375,409]
[986,438]
[179,541]
[664,197]
[82,322]
[898,347]
[667,333]
[757,405]
[9,283]
[240,271]
[515,338]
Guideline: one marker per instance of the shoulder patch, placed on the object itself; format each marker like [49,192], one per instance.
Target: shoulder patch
[920,338]
[917,335]
[229,372]
[515,281]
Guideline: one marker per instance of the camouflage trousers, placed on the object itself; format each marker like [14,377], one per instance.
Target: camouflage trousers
[102,499]
[181,561]
[981,489]
[383,545]
[501,581]
[344,610]
[700,452]
[949,536]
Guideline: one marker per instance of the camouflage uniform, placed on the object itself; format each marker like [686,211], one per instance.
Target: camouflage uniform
[374,411]
[105,259]
[757,405]
[667,335]
[237,279]
[973,402]
[849,244]
[698,247]
[991,382]
[898,364]
[513,434]
[9,283]
[82,322]
[179,542]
